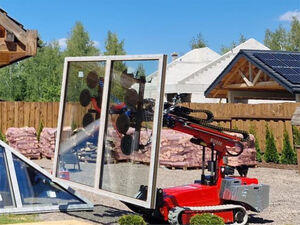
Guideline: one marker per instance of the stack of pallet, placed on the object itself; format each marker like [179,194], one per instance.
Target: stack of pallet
[24,140]
[47,142]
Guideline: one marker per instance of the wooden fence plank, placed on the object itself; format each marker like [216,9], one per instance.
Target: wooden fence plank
[27,114]
[37,118]
[4,116]
[50,114]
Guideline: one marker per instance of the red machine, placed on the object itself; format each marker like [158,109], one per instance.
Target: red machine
[226,196]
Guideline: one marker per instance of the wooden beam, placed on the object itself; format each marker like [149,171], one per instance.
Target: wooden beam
[250,72]
[4,58]
[232,74]
[264,95]
[11,26]
[259,85]
[15,42]
[257,77]
[248,82]
[9,37]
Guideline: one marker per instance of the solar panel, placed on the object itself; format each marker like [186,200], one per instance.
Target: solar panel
[264,56]
[274,62]
[295,78]
[295,56]
[285,64]
[282,56]
[284,70]
[292,63]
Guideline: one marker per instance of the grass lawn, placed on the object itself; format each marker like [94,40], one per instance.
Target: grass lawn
[10,218]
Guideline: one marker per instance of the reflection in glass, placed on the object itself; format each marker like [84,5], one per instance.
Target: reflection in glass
[82,108]
[36,188]
[5,190]
[129,120]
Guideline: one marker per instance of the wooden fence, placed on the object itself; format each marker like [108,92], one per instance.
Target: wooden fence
[256,116]
[241,116]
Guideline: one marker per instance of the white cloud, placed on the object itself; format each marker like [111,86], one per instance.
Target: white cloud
[62,43]
[288,16]
[96,44]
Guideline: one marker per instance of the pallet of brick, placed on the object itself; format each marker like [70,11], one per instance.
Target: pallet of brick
[248,156]
[176,150]
[24,140]
[47,142]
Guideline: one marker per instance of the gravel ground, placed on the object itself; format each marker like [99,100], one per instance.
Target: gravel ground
[284,208]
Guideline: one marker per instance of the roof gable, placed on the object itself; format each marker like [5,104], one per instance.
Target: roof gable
[280,66]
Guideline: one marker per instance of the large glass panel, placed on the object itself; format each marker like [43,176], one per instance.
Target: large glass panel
[37,189]
[5,188]
[80,129]
[128,128]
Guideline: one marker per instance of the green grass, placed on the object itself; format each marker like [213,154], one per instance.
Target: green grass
[10,218]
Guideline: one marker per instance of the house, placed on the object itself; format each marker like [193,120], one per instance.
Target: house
[16,43]
[193,72]
[259,74]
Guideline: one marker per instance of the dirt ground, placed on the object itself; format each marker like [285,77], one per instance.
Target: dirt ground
[284,207]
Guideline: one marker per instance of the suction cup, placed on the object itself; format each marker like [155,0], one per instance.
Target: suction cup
[92,79]
[85,98]
[87,119]
[126,143]
[131,97]
[123,123]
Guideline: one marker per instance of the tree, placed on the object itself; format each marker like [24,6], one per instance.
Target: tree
[282,39]
[43,73]
[271,154]
[140,72]
[79,43]
[225,49]
[288,156]
[115,47]
[257,148]
[12,83]
[34,79]
[294,36]
[276,40]
[198,42]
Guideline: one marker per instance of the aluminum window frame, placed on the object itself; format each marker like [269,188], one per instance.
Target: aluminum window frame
[18,207]
[157,125]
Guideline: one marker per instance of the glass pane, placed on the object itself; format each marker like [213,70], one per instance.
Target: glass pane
[79,137]
[37,189]
[128,128]
[5,190]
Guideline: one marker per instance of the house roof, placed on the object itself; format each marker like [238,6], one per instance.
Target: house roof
[209,72]
[16,42]
[280,66]
[187,64]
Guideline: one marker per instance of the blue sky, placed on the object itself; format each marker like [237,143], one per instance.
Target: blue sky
[155,26]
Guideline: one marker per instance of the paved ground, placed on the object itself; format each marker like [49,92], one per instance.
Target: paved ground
[284,208]
[60,222]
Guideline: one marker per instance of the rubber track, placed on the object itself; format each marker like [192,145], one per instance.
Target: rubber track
[175,213]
